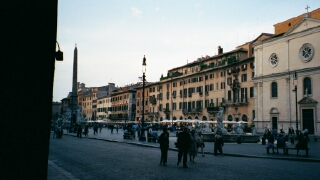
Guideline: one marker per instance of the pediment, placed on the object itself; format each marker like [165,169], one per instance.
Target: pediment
[307,100]
[304,24]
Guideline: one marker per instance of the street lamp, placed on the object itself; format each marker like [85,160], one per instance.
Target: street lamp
[144,69]
[295,83]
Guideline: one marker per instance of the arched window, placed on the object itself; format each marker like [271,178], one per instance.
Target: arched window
[181,117]
[244,118]
[189,117]
[307,86]
[174,118]
[229,118]
[204,118]
[161,119]
[274,90]
[196,117]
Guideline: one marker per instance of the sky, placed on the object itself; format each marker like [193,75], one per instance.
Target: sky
[112,36]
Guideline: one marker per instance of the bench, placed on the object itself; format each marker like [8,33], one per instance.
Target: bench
[306,149]
[128,136]
[270,148]
[282,147]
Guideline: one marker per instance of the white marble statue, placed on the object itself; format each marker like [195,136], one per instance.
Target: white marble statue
[207,129]
[220,129]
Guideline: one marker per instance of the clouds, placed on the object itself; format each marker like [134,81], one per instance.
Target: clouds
[136,12]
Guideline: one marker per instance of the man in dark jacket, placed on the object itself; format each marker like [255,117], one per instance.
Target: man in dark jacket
[183,144]
[164,146]
[218,144]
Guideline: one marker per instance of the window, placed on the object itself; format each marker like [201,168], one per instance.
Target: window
[174,84]
[181,83]
[243,95]
[180,105]
[200,79]
[160,107]
[307,86]
[252,74]
[206,77]
[211,87]
[186,71]
[243,77]
[274,90]
[223,85]
[211,76]
[206,103]
[229,80]
[174,106]
[251,92]
[229,95]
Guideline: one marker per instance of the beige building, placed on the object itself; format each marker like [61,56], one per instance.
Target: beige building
[103,107]
[196,90]
[278,62]
[89,97]
[123,103]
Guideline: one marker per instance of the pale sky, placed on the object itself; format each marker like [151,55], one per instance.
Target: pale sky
[112,36]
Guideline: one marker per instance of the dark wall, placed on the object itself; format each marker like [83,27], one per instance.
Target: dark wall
[28,43]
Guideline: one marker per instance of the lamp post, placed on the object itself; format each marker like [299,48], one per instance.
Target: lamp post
[144,66]
[295,83]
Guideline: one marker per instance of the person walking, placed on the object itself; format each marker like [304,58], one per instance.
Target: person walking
[117,128]
[218,144]
[193,145]
[55,131]
[79,131]
[183,144]
[86,130]
[200,143]
[164,146]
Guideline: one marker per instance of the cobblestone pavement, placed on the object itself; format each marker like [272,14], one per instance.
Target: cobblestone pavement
[252,150]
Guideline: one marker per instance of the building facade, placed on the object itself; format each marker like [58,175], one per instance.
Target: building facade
[283,62]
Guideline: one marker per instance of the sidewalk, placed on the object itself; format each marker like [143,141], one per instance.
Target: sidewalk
[252,150]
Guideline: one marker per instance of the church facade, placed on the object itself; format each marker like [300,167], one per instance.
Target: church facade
[286,82]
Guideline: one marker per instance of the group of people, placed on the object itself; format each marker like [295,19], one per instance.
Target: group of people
[57,131]
[187,143]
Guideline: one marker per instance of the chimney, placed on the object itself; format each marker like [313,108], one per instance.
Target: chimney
[220,50]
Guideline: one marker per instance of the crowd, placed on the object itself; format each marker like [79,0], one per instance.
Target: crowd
[281,138]
[188,143]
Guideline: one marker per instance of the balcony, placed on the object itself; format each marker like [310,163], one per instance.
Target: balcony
[200,93]
[235,102]
[153,100]
[207,93]
[212,109]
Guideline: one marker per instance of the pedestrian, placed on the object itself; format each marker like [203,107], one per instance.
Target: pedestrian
[112,128]
[55,131]
[117,128]
[95,129]
[270,143]
[79,131]
[138,129]
[100,128]
[86,130]
[218,144]
[164,146]
[183,144]
[59,131]
[200,143]
[193,145]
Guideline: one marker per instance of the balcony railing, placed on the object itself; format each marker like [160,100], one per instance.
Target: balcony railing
[235,102]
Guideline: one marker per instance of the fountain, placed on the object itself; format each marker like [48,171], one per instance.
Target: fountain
[237,131]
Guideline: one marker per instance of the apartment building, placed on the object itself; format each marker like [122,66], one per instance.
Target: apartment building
[196,90]
[123,103]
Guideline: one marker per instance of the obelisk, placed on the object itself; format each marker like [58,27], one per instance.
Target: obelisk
[74,95]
